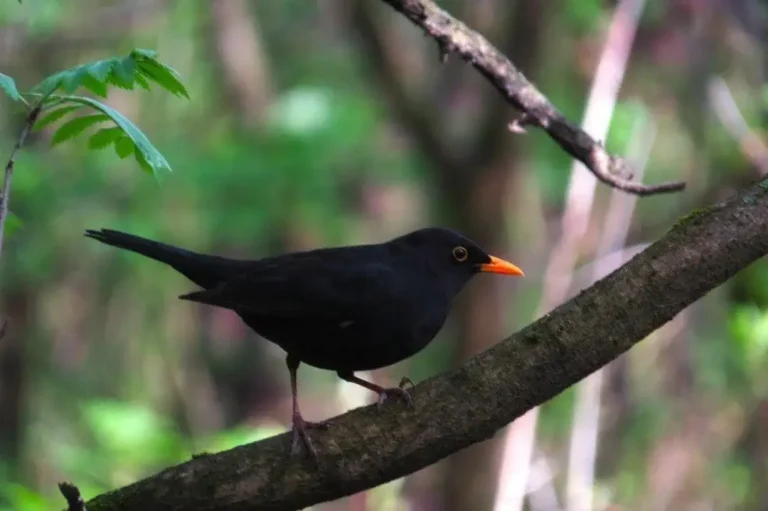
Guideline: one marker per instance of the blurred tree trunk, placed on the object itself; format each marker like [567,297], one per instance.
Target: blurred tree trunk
[241,59]
[13,378]
[471,474]
[234,356]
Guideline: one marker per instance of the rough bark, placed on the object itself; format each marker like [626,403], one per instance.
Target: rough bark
[369,446]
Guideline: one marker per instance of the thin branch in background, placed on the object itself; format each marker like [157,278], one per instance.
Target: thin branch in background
[727,111]
[32,116]
[558,277]
[72,495]
[541,488]
[582,454]
[454,36]
[3,328]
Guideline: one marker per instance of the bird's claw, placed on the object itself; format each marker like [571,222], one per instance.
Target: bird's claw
[301,435]
[398,391]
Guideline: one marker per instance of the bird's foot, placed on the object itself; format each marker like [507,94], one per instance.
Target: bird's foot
[301,434]
[398,391]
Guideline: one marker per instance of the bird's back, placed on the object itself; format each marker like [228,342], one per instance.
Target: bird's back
[344,308]
[351,308]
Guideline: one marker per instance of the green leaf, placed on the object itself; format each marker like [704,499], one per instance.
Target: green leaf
[9,87]
[48,84]
[101,68]
[124,147]
[75,126]
[165,76]
[143,83]
[54,115]
[153,157]
[73,78]
[82,75]
[95,86]
[105,137]
[123,73]
[139,157]
[137,67]
[144,53]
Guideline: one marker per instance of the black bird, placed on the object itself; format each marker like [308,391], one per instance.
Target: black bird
[344,309]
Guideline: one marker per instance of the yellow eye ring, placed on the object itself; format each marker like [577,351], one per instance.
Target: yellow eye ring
[460,254]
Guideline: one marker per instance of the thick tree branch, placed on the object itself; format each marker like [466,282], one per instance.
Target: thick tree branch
[453,36]
[369,446]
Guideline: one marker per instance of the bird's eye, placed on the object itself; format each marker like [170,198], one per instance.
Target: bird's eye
[460,254]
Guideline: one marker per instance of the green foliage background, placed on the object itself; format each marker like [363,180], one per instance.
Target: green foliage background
[120,379]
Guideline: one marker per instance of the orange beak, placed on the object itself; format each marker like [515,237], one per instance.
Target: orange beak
[502,267]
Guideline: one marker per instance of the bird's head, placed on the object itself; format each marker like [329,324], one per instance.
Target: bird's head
[454,257]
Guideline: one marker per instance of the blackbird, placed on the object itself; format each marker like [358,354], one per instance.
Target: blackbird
[344,309]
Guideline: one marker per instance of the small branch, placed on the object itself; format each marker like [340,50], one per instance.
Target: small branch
[370,446]
[518,124]
[453,35]
[71,493]
[6,193]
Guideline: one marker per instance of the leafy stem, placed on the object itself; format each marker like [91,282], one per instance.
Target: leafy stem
[139,68]
[5,197]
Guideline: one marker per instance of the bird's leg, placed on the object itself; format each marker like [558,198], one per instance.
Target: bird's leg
[300,426]
[383,392]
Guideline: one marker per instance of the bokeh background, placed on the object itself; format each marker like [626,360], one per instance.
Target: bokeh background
[334,122]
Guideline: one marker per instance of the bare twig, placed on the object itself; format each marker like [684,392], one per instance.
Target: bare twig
[32,116]
[71,493]
[453,35]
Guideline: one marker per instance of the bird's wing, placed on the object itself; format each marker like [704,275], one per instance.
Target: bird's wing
[308,287]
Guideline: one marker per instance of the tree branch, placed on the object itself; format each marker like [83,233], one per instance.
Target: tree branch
[5,195]
[369,446]
[453,36]
[71,494]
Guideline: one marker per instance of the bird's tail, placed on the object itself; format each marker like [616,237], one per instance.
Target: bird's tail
[204,270]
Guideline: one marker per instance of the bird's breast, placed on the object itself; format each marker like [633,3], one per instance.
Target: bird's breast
[354,343]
